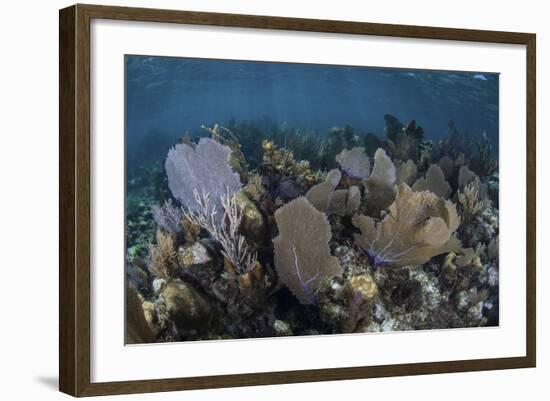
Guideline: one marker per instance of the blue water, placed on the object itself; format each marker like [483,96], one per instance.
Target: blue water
[167,96]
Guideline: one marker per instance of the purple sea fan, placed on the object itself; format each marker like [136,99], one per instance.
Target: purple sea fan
[168,217]
[204,169]
[418,226]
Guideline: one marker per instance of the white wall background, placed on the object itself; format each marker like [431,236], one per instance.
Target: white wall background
[29,185]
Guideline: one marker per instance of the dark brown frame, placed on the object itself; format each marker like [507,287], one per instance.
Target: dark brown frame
[74,199]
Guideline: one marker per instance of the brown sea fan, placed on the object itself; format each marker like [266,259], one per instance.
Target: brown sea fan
[418,226]
[434,182]
[302,255]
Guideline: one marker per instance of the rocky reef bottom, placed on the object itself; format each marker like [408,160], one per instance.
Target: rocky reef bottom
[437,295]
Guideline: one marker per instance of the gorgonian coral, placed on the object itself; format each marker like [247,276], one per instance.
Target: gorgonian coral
[302,255]
[380,186]
[434,182]
[354,162]
[418,226]
[163,255]
[234,246]
[168,217]
[406,172]
[447,166]
[326,198]
[320,195]
[472,201]
[204,168]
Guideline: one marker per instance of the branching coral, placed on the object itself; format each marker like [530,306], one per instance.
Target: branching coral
[234,246]
[483,164]
[419,225]
[168,217]
[405,147]
[403,141]
[164,262]
[457,145]
[282,175]
[254,187]
[471,202]
[302,255]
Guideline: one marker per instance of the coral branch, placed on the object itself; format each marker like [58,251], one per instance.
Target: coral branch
[234,246]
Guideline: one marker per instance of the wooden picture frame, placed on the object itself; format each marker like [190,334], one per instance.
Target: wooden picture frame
[74,203]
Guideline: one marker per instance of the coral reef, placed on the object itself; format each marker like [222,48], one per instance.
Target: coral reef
[263,230]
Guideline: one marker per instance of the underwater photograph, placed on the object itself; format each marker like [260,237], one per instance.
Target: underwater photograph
[268,199]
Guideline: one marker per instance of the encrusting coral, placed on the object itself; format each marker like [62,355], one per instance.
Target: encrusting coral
[276,231]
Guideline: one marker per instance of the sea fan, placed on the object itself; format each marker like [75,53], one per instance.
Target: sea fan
[418,226]
[205,169]
[302,255]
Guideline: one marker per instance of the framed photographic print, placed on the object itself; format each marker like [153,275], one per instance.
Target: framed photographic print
[251,200]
